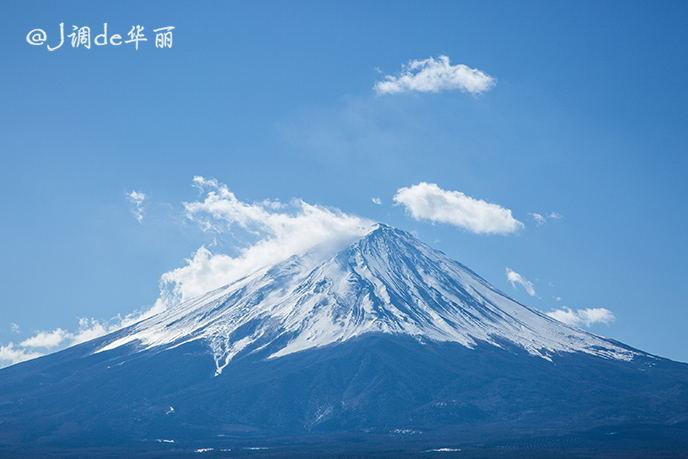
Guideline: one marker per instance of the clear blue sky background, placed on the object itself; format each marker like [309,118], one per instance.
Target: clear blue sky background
[588,118]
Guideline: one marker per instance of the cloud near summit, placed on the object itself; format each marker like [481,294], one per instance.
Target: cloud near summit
[265,232]
[427,201]
[279,230]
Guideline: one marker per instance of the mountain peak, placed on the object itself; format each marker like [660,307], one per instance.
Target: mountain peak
[384,230]
[385,282]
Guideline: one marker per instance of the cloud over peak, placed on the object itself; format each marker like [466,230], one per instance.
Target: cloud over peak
[277,231]
[266,232]
[435,75]
[427,201]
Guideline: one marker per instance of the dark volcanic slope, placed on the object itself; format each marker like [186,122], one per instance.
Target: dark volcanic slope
[383,391]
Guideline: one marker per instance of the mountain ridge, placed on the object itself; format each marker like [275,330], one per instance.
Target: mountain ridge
[387,346]
[386,281]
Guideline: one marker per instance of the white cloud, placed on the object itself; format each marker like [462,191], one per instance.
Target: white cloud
[277,230]
[137,199]
[282,230]
[515,278]
[90,328]
[14,328]
[46,339]
[435,75]
[427,201]
[541,219]
[9,355]
[377,201]
[54,340]
[583,317]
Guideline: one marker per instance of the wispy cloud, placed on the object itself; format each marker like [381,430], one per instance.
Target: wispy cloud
[435,75]
[15,328]
[377,201]
[538,218]
[427,201]
[46,339]
[583,317]
[541,219]
[515,278]
[137,198]
[10,354]
[282,230]
[274,231]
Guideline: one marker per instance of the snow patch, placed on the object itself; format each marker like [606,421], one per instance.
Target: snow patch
[386,282]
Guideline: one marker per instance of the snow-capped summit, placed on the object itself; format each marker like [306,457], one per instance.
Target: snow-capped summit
[386,282]
[384,343]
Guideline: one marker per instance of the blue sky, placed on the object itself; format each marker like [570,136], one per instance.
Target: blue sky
[586,119]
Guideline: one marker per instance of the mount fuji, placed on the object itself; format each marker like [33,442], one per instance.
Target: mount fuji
[385,346]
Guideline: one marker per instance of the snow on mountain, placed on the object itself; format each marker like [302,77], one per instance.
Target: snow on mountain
[386,282]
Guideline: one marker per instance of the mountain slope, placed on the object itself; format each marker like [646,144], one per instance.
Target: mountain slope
[385,346]
[387,282]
